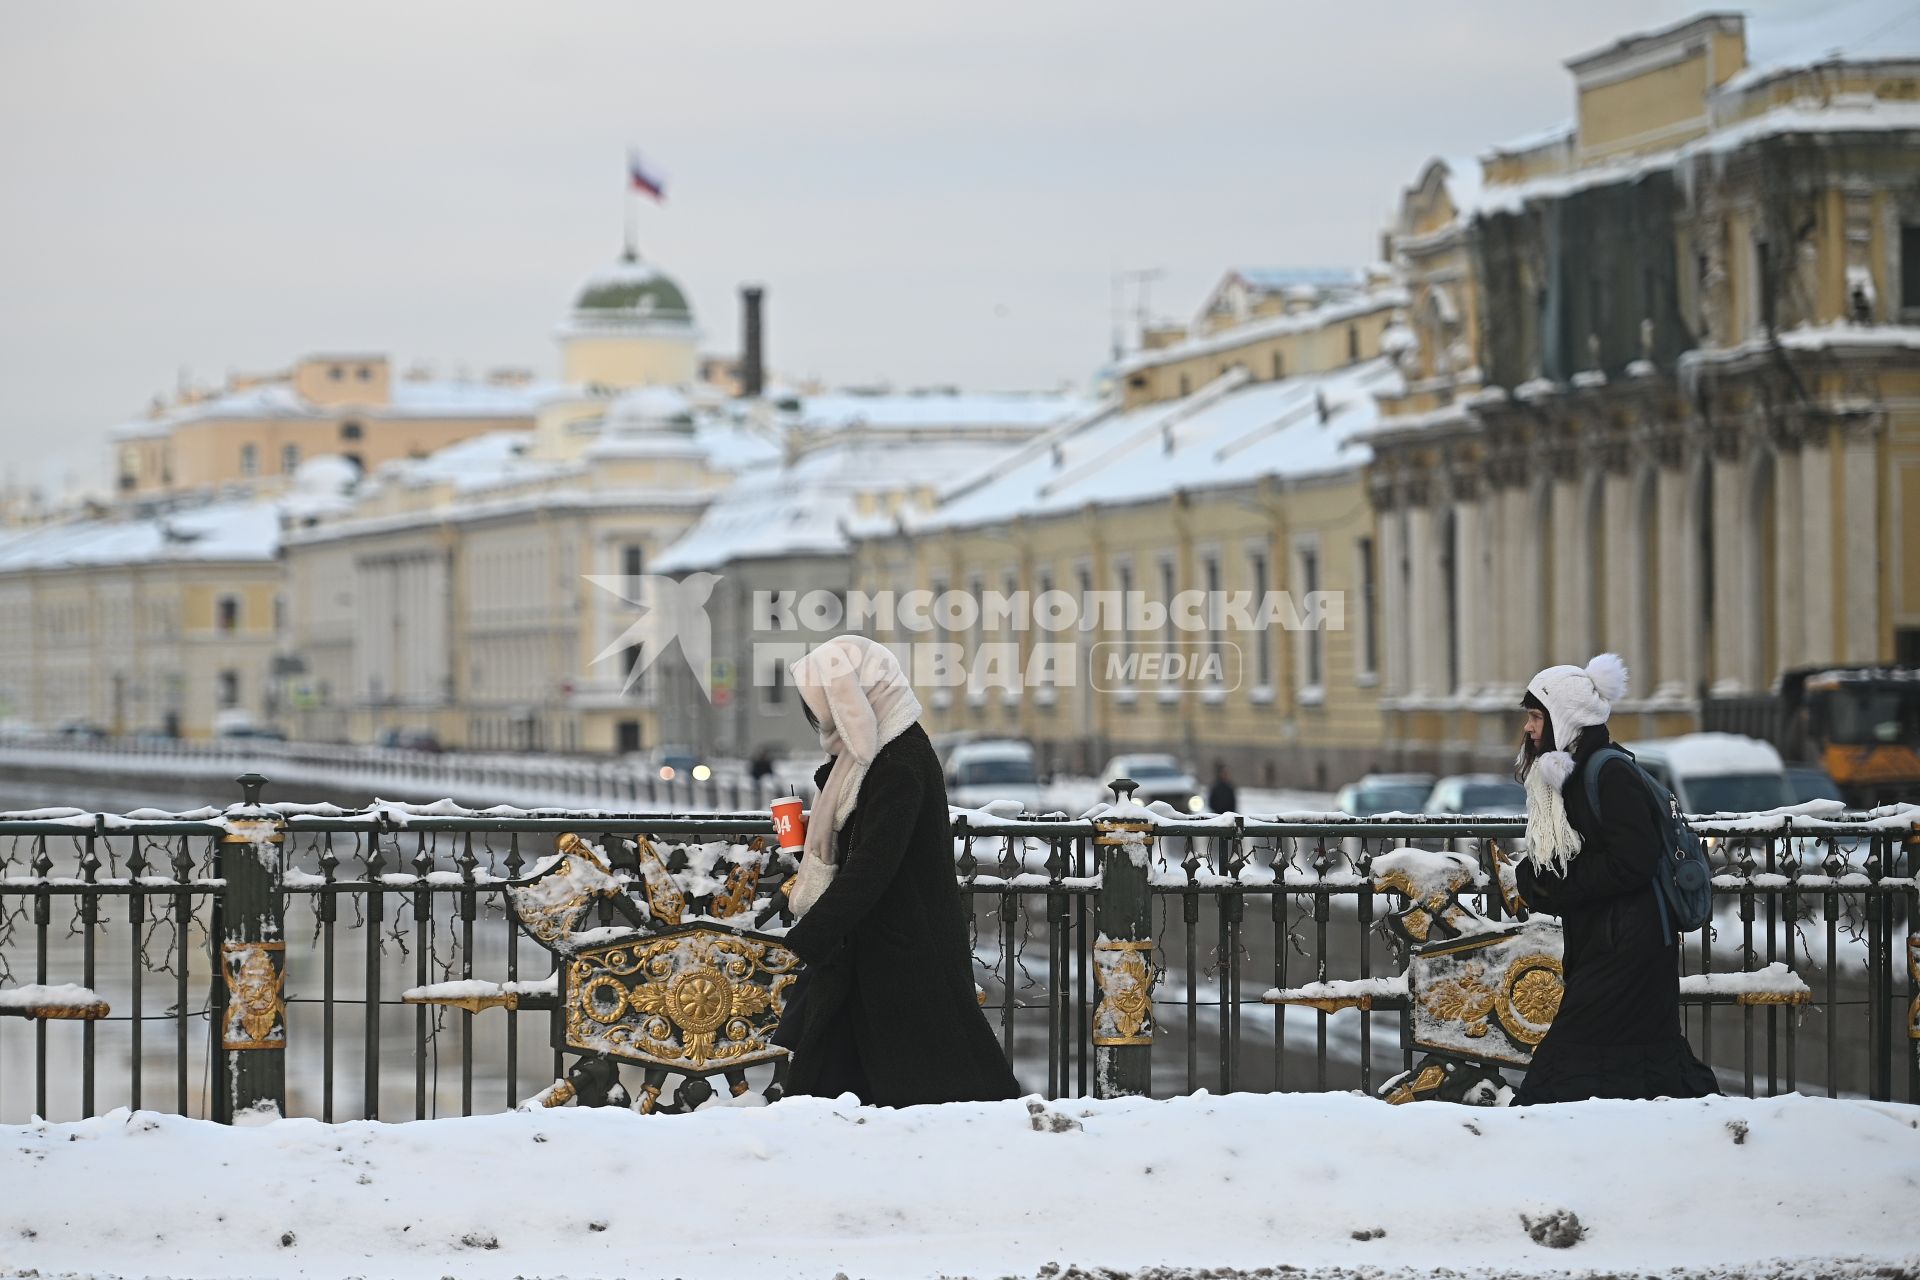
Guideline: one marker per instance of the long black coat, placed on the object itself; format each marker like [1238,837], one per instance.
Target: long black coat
[1617,1034]
[887,1008]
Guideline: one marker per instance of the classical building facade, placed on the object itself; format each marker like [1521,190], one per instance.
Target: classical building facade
[154,625]
[1665,394]
[1223,465]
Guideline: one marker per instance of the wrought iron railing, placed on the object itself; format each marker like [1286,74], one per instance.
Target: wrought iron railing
[1126,953]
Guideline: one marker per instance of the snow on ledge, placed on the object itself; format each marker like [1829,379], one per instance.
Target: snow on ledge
[1332,1180]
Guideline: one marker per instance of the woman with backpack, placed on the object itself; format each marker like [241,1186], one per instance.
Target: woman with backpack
[1617,1034]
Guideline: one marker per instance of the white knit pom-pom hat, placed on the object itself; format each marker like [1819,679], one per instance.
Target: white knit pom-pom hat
[1576,697]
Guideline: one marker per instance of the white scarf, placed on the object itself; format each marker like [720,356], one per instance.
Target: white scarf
[857,691]
[1551,840]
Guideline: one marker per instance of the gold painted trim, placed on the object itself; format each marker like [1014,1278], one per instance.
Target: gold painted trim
[1123,833]
[1129,1011]
[1430,1078]
[472,1004]
[243,831]
[1325,1004]
[1773,997]
[256,1001]
[1913,980]
[559,1095]
[67,1012]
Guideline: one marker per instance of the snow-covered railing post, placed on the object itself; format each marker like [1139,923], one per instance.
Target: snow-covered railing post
[249,1004]
[1123,950]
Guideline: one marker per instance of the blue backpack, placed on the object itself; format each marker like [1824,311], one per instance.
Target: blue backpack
[1683,882]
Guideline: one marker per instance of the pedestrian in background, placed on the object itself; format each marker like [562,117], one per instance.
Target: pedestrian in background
[1617,1034]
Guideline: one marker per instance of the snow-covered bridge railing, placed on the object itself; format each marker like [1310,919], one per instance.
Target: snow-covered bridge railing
[368,962]
[469,777]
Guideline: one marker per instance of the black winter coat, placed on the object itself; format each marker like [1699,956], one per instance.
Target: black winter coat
[1617,1034]
[886,1008]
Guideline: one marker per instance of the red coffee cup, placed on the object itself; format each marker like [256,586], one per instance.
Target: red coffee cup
[790,823]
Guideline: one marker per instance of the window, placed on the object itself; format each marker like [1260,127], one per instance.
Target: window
[1310,583]
[280,615]
[1369,656]
[1279,366]
[249,459]
[289,458]
[227,615]
[1210,566]
[629,731]
[1353,344]
[1185,386]
[229,689]
[1124,570]
[350,431]
[1168,589]
[366,374]
[336,373]
[1910,269]
[630,667]
[631,560]
[777,691]
[1263,643]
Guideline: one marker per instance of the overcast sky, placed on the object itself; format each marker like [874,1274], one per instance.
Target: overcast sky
[930,193]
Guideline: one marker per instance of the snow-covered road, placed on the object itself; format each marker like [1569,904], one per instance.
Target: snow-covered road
[1333,1184]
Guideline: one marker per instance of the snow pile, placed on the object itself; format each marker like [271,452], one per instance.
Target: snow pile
[810,1187]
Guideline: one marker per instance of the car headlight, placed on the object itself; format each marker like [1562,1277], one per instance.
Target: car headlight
[701,773]
[1196,803]
[666,773]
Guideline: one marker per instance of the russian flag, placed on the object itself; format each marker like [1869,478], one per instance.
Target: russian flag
[645,179]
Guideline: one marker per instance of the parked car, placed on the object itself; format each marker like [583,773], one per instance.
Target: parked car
[1385,793]
[408,740]
[1477,793]
[1811,782]
[979,772]
[1161,777]
[82,731]
[1717,772]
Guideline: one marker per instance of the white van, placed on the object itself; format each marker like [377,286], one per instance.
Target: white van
[1716,772]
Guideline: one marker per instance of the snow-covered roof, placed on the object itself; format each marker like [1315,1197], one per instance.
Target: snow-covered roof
[1539,138]
[1231,432]
[1842,115]
[1280,279]
[805,508]
[220,532]
[935,409]
[479,462]
[1242,335]
[409,399]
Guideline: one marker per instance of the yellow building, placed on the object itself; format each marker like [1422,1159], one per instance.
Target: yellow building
[1688,430]
[255,433]
[154,625]
[1207,475]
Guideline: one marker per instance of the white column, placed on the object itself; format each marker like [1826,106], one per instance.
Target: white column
[1470,593]
[1789,574]
[1617,629]
[1862,606]
[1815,552]
[1425,639]
[1732,581]
[1392,619]
[1571,573]
[1680,585]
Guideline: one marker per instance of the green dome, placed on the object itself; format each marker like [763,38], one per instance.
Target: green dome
[631,289]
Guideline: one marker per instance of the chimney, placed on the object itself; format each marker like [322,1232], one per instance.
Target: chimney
[753,369]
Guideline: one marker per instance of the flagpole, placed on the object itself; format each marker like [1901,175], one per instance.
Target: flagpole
[632,253]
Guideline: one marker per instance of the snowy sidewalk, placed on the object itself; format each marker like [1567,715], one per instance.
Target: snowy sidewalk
[1293,1184]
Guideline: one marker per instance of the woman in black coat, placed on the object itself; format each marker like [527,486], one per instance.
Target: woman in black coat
[1617,1033]
[886,1008]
